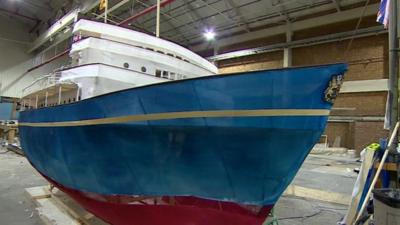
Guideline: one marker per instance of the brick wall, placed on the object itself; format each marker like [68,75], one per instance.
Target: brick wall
[366,57]
[340,132]
[360,104]
[367,132]
[271,60]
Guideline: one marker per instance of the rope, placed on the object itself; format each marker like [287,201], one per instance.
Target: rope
[355,30]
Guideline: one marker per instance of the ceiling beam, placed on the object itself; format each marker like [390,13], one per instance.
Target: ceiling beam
[168,21]
[16,13]
[192,11]
[89,5]
[226,17]
[115,7]
[274,19]
[66,20]
[295,26]
[54,29]
[204,19]
[282,11]
[336,3]
[364,32]
[239,14]
[144,12]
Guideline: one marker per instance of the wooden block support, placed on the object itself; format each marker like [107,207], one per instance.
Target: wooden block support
[387,166]
[11,136]
[310,193]
[55,208]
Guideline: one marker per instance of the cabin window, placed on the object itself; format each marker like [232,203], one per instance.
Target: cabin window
[150,49]
[165,74]
[160,52]
[178,57]
[172,76]
[158,73]
[186,60]
[126,65]
[143,69]
[79,98]
[73,99]
[170,54]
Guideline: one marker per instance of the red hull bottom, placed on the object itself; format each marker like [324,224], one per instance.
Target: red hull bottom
[128,210]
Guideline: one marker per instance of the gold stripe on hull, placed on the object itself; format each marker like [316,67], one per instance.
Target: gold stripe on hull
[184,115]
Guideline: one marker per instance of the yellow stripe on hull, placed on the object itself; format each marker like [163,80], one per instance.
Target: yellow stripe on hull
[184,115]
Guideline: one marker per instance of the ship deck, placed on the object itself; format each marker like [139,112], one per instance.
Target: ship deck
[316,196]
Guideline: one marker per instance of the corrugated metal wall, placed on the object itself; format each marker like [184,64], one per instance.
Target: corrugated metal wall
[14,60]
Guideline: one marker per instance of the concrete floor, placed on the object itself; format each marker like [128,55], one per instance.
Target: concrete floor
[319,172]
[16,174]
[327,173]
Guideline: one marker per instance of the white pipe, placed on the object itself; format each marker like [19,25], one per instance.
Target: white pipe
[105,11]
[77,94]
[110,10]
[45,101]
[158,19]
[381,163]
[59,95]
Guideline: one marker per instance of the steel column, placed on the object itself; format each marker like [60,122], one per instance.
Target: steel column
[287,52]
[393,64]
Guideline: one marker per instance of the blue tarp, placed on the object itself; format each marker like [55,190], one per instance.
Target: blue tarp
[5,111]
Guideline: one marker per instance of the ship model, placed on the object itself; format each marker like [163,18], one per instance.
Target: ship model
[139,130]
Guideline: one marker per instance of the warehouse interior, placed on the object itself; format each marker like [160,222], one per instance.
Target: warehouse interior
[237,37]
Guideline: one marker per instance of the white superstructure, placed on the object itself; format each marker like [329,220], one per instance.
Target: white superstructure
[107,58]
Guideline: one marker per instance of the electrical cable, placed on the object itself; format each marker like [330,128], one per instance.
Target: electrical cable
[301,217]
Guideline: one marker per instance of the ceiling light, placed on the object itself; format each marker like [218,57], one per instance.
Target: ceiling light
[209,35]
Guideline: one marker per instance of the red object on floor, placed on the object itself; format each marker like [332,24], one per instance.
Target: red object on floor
[132,210]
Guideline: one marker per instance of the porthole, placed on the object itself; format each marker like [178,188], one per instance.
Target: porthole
[143,69]
[126,65]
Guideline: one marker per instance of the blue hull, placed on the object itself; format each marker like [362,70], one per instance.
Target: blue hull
[238,138]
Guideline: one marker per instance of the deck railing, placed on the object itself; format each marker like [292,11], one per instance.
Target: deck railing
[44,83]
